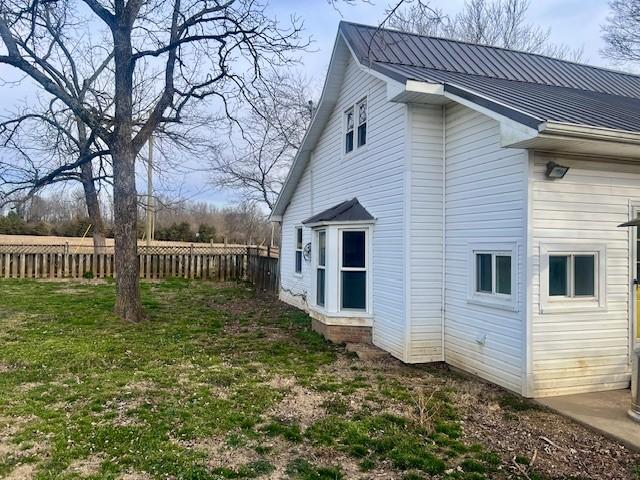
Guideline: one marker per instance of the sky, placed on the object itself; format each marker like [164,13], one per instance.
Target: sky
[576,23]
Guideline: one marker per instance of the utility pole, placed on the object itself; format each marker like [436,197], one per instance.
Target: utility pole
[149,219]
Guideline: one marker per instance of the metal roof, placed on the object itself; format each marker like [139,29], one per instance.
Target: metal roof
[349,211]
[527,87]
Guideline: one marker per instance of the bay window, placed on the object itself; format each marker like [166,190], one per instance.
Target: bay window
[353,270]
[321,268]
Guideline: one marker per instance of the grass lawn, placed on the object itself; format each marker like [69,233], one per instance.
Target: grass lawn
[223,383]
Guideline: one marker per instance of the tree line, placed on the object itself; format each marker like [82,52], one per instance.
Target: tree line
[183,221]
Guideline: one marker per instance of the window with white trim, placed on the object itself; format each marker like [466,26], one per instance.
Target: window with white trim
[349,127]
[321,268]
[492,278]
[353,270]
[572,277]
[299,248]
[362,122]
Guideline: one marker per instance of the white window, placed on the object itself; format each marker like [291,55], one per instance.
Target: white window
[572,277]
[492,279]
[299,248]
[321,268]
[355,126]
[349,127]
[353,270]
[362,122]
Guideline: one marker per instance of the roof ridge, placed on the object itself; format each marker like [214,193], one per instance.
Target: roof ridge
[577,89]
[482,45]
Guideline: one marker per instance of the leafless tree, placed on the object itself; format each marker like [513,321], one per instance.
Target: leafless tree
[260,156]
[622,31]
[161,56]
[43,141]
[500,23]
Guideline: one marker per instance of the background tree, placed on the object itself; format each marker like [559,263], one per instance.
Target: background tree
[260,154]
[161,57]
[500,23]
[44,144]
[622,31]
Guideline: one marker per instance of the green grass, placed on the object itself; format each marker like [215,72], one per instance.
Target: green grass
[195,393]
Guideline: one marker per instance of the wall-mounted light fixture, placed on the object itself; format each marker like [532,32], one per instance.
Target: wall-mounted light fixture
[555,171]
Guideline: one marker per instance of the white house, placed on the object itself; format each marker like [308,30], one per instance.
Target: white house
[459,203]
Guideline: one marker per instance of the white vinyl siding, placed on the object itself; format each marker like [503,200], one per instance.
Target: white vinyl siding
[424,232]
[485,203]
[375,175]
[582,351]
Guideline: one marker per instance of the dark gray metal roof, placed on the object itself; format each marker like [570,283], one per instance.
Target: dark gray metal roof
[527,87]
[349,211]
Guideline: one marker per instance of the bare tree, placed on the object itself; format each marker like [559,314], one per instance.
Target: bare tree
[261,154]
[499,23]
[622,31]
[44,142]
[161,56]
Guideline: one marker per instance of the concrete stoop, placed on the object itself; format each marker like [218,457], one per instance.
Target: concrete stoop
[367,351]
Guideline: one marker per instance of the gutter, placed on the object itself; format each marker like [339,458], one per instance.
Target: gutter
[573,130]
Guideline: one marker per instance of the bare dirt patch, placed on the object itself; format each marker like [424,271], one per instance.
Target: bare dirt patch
[302,405]
[135,476]
[86,466]
[22,472]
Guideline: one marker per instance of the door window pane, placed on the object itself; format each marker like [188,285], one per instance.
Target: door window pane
[320,285]
[353,249]
[354,290]
[558,275]
[584,275]
[503,274]
[483,272]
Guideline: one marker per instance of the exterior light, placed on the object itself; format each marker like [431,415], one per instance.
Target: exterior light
[555,171]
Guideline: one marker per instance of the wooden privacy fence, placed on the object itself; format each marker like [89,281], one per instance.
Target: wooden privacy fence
[263,269]
[60,261]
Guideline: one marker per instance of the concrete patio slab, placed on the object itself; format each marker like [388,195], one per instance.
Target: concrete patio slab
[605,412]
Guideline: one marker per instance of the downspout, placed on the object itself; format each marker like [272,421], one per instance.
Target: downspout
[444,224]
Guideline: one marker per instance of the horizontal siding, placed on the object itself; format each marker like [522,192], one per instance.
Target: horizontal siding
[583,351]
[425,235]
[484,203]
[376,175]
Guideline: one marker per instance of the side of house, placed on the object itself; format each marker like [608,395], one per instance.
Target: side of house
[580,337]
[375,173]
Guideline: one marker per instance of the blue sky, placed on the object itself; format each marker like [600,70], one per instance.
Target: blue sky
[573,22]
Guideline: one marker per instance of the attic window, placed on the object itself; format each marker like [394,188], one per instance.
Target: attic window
[349,126]
[362,122]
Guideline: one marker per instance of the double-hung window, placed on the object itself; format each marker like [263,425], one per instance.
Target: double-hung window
[349,122]
[572,277]
[321,268]
[362,122]
[492,275]
[299,248]
[353,270]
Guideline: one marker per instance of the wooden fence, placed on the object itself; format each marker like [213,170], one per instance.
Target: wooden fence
[263,269]
[56,261]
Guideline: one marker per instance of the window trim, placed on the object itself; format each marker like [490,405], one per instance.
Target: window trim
[365,123]
[353,107]
[320,267]
[493,299]
[365,269]
[298,228]
[345,122]
[563,303]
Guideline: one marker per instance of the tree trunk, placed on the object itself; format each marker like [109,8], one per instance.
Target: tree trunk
[93,207]
[128,304]
[125,199]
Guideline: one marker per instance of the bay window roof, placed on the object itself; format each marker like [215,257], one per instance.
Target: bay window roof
[349,211]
